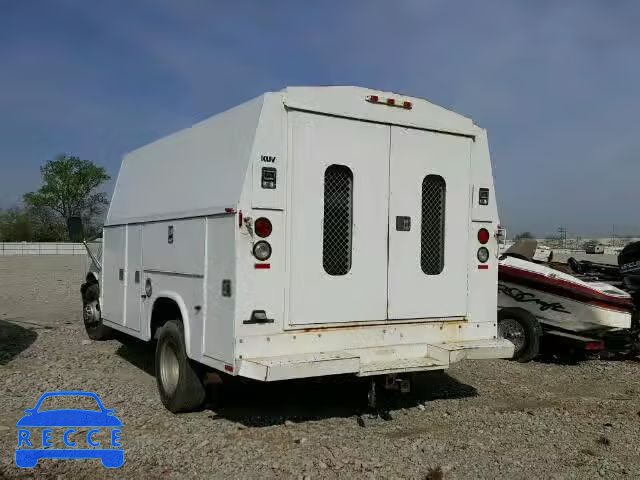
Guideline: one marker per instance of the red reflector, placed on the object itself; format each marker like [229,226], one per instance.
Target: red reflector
[594,346]
[373,98]
[228,368]
[407,105]
[483,267]
[483,235]
[263,227]
[240,219]
[391,101]
[230,210]
[262,266]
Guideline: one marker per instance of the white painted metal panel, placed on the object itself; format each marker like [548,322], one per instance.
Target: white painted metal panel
[270,152]
[318,142]
[113,285]
[218,332]
[414,155]
[186,291]
[134,277]
[196,171]
[182,253]
[348,101]
[261,289]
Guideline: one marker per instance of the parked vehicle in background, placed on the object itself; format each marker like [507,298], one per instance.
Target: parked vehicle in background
[594,248]
[572,311]
[308,232]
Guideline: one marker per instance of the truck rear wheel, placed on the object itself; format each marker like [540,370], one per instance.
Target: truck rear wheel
[92,314]
[522,329]
[180,387]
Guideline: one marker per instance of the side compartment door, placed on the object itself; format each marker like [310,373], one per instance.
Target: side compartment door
[113,274]
[428,224]
[339,173]
[135,284]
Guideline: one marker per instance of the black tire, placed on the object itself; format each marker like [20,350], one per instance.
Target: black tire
[95,328]
[179,383]
[528,341]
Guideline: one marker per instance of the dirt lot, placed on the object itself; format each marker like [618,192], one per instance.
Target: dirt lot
[495,419]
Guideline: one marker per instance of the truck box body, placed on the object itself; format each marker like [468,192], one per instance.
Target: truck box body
[375,207]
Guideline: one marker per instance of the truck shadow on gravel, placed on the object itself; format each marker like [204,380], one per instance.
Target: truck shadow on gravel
[257,404]
[138,353]
[14,339]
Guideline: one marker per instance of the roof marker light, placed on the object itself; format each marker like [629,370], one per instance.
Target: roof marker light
[390,102]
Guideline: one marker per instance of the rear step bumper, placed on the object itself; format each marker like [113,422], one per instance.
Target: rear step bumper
[372,361]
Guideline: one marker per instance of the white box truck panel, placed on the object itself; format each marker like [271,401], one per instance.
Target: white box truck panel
[339,203]
[134,278]
[114,264]
[184,254]
[428,224]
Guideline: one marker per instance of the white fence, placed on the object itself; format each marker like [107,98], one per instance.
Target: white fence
[48,248]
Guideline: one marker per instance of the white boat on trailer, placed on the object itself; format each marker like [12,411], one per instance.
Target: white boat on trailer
[535,299]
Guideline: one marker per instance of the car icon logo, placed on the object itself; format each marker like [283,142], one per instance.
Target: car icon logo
[35,433]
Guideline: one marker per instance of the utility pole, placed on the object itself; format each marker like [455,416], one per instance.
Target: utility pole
[563,236]
[613,235]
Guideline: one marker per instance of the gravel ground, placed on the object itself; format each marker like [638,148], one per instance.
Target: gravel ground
[492,419]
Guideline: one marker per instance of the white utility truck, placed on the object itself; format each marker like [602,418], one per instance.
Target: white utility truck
[308,232]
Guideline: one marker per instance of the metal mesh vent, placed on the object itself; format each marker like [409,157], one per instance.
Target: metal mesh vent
[434,190]
[338,207]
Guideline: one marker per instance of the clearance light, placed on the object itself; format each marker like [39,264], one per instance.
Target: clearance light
[390,102]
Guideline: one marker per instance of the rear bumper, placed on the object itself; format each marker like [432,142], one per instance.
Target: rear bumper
[372,361]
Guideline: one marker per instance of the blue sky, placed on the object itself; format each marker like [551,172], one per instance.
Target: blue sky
[555,83]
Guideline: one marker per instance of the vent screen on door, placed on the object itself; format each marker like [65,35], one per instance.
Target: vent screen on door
[434,190]
[338,208]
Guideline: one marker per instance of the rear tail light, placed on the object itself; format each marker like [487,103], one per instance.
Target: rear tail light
[263,227]
[483,235]
[262,250]
[483,255]
[594,346]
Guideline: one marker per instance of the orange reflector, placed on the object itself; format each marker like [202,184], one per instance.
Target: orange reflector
[391,102]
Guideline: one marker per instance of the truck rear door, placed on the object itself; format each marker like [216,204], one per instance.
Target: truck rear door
[428,224]
[378,222]
[338,219]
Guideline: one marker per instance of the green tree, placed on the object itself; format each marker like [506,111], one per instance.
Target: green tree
[69,189]
[522,235]
[15,226]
